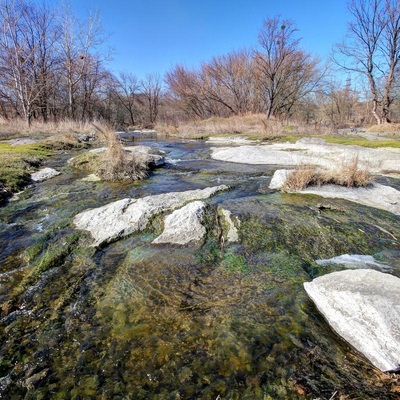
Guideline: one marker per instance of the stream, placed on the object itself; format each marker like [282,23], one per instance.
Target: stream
[218,321]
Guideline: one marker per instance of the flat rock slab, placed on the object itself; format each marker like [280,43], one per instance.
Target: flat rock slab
[384,161]
[363,307]
[374,195]
[184,226]
[123,217]
[44,174]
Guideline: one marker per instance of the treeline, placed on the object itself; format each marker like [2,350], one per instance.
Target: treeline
[53,67]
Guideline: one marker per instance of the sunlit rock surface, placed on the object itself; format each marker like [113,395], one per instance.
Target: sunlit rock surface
[385,161]
[44,174]
[184,226]
[363,307]
[123,217]
[374,195]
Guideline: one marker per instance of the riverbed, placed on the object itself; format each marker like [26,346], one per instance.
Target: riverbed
[219,320]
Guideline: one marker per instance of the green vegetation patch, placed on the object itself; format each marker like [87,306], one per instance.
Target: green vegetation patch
[357,141]
[16,163]
[88,161]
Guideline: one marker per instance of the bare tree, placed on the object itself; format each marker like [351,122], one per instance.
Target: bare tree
[372,49]
[152,90]
[286,73]
[26,44]
[126,90]
[78,39]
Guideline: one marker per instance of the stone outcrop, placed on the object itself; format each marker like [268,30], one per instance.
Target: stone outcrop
[374,195]
[123,217]
[363,307]
[184,226]
[385,161]
[44,174]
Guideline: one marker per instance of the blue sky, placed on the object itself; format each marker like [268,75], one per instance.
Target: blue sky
[152,36]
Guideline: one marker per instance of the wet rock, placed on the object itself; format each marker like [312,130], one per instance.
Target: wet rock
[184,226]
[355,261]
[123,217]
[4,194]
[362,306]
[153,159]
[44,174]
[232,235]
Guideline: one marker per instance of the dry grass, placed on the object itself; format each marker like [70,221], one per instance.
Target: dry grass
[255,125]
[349,174]
[117,164]
[386,128]
[18,128]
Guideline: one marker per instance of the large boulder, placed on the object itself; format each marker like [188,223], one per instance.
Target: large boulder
[123,217]
[184,226]
[363,307]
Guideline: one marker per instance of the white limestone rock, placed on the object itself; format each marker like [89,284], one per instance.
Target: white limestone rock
[123,217]
[44,174]
[375,195]
[184,226]
[279,178]
[363,307]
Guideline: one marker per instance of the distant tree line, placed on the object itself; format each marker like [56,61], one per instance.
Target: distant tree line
[53,67]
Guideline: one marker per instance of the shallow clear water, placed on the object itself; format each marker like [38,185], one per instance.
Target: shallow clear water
[138,321]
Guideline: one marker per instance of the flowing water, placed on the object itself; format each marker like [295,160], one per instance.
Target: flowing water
[220,321]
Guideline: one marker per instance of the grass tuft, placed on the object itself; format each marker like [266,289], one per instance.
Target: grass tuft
[116,164]
[350,174]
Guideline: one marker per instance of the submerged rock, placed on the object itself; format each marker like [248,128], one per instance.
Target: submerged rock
[232,234]
[44,174]
[184,226]
[354,261]
[362,306]
[123,217]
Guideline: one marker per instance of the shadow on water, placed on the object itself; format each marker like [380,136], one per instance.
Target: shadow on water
[139,321]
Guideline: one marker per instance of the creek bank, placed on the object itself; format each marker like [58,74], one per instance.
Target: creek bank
[384,161]
[374,195]
[124,217]
[362,306]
